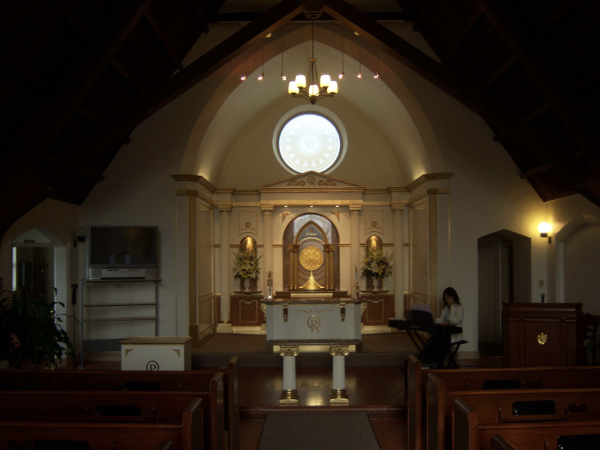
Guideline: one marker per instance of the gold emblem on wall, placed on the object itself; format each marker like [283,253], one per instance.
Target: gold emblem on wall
[248,224]
[336,214]
[542,338]
[311,258]
[284,215]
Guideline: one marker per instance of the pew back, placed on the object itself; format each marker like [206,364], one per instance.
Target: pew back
[131,436]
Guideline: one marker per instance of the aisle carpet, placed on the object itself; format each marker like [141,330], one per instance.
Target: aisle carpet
[316,431]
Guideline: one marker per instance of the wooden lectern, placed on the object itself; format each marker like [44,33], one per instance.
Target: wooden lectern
[542,334]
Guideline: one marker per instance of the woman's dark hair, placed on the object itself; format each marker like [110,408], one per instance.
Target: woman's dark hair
[452,293]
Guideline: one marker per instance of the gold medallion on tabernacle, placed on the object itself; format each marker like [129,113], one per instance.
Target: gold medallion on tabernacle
[311,258]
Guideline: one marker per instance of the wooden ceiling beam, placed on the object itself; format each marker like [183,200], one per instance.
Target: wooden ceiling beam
[201,16]
[388,16]
[12,15]
[130,79]
[536,171]
[560,12]
[165,42]
[541,67]
[89,173]
[536,112]
[75,24]
[497,74]
[442,77]
[191,75]
[86,73]
[422,14]
[26,75]
[463,35]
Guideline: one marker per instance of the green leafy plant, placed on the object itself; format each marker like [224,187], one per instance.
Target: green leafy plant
[376,264]
[37,337]
[246,265]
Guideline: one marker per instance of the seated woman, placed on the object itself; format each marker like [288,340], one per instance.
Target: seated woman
[452,314]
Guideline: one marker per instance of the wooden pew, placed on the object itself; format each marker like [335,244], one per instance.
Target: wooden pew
[168,445]
[212,394]
[477,379]
[468,434]
[187,435]
[494,406]
[499,443]
[82,406]
[91,380]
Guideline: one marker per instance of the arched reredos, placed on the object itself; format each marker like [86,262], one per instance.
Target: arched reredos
[216,130]
[300,223]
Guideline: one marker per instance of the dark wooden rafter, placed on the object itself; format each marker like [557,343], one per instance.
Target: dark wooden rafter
[201,15]
[179,83]
[463,35]
[556,17]
[497,74]
[90,116]
[446,80]
[375,15]
[89,173]
[165,42]
[130,79]
[536,112]
[542,69]
[536,171]
[12,15]
[26,75]
[106,46]
[422,14]
[75,24]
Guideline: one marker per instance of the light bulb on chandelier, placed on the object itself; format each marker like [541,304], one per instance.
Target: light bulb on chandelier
[325,87]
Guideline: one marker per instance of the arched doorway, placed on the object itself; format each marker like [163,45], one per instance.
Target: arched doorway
[504,275]
[306,239]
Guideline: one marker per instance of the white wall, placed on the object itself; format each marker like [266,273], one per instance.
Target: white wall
[398,130]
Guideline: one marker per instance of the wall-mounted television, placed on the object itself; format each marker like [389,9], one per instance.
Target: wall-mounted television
[122,252]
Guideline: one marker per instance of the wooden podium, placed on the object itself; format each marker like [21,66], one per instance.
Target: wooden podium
[542,334]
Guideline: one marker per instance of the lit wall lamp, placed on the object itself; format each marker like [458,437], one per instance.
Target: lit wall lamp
[544,228]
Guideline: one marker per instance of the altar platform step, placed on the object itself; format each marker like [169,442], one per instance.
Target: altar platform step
[377,350]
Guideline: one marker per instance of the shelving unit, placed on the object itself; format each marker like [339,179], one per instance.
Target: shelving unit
[113,344]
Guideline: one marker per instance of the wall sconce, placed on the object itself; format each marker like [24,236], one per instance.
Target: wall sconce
[544,228]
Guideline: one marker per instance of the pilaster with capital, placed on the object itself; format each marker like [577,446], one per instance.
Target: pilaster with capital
[267,241]
[355,236]
[398,209]
[224,210]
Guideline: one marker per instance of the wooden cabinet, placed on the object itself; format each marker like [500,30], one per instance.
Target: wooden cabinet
[542,334]
[380,307]
[245,310]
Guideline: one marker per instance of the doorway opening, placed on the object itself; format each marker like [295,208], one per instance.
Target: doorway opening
[504,276]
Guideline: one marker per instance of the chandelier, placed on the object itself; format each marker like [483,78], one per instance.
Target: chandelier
[308,88]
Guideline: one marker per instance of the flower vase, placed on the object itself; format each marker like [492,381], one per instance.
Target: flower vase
[380,284]
[247,285]
[369,283]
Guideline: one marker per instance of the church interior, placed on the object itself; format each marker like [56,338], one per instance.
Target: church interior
[260,152]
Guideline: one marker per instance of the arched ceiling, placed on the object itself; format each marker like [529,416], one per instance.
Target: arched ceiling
[79,75]
[378,102]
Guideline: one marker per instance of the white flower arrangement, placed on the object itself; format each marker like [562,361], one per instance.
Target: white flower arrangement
[246,265]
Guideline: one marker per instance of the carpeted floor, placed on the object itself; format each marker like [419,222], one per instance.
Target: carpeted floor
[318,431]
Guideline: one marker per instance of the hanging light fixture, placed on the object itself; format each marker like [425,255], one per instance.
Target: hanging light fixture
[243,77]
[309,89]
[262,53]
[283,77]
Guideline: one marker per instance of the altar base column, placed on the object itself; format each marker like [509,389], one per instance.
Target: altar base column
[289,394]
[339,394]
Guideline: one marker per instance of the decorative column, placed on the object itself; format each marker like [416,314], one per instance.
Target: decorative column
[289,394]
[339,395]
[267,242]
[293,274]
[225,209]
[329,276]
[354,237]
[398,260]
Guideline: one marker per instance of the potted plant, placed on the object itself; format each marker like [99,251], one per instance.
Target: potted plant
[246,267]
[376,266]
[37,340]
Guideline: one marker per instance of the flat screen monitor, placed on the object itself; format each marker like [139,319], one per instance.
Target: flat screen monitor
[122,247]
